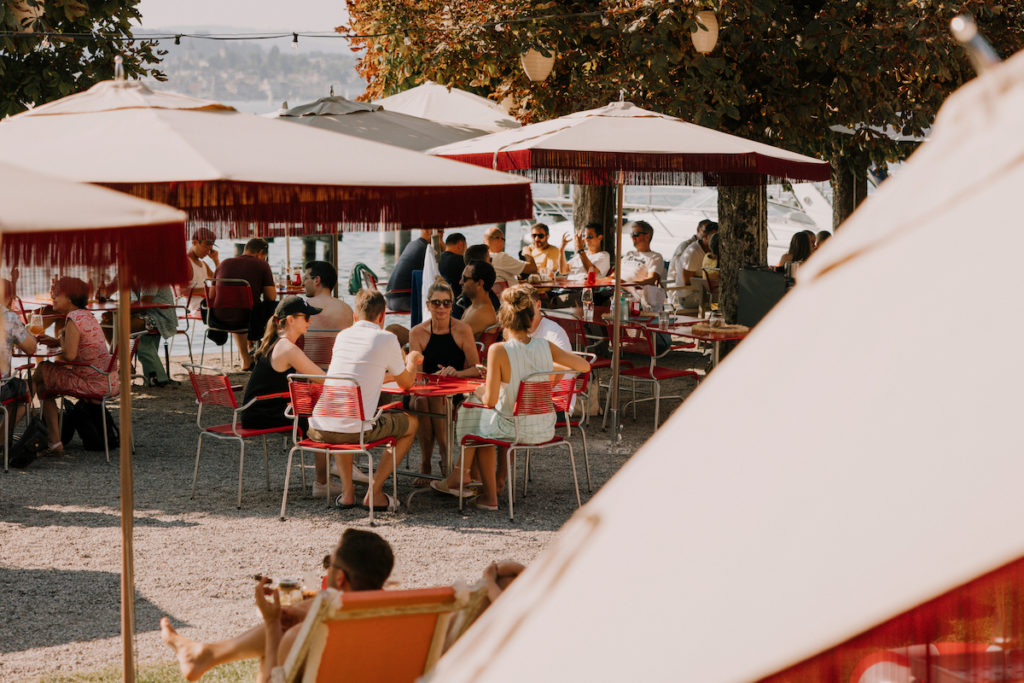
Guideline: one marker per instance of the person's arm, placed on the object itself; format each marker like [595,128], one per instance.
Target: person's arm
[269,287]
[271,612]
[418,338]
[270,293]
[28,344]
[530,266]
[69,344]
[463,335]
[287,355]
[567,360]
[563,265]
[407,377]
[497,366]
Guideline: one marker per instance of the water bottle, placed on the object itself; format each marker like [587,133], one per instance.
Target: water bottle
[588,304]
[623,308]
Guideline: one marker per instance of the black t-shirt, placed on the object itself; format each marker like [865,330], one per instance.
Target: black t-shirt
[451,266]
[410,260]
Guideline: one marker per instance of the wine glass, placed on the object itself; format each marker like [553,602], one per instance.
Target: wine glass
[35,324]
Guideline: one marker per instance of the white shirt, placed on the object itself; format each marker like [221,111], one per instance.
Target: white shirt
[692,260]
[506,267]
[602,260]
[553,332]
[366,353]
[637,265]
[673,274]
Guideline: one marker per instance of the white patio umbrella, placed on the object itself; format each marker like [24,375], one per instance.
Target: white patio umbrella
[622,144]
[438,102]
[374,122]
[241,174]
[54,224]
[715,555]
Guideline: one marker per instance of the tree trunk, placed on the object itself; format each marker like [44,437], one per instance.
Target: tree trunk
[595,203]
[743,239]
[849,186]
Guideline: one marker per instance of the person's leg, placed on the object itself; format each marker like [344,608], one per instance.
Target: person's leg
[486,458]
[40,379]
[149,355]
[195,658]
[502,471]
[440,431]
[343,463]
[242,344]
[403,443]
[425,433]
[468,466]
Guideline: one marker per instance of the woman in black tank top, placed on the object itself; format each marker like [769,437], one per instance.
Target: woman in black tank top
[449,350]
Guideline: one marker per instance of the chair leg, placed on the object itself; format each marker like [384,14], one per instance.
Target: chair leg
[266,461]
[287,480]
[586,457]
[302,468]
[103,426]
[462,462]
[607,406]
[241,466]
[195,472]
[510,458]
[369,460]
[575,479]
[394,471]
[633,383]
[657,403]
[7,430]
[526,473]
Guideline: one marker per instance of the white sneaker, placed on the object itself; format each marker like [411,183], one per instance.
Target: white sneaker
[357,474]
[320,490]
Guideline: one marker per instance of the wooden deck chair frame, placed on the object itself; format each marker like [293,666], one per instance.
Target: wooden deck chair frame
[539,393]
[213,387]
[305,392]
[335,642]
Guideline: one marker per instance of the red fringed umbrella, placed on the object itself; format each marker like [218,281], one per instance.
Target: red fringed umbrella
[56,224]
[621,144]
[241,174]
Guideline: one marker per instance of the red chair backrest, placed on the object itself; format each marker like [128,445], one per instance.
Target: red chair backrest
[541,394]
[488,337]
[318,345]
[341,398]
[635,339]
[573,327]
[213,389]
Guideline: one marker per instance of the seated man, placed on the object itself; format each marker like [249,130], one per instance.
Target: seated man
[14,334]
[318,280]
[548,257]
[252,267]
[479,314]
[373,356]
[362,561]
[401,277]
[690,264]
[453,260]
[641,266]
[507,268]
[203,246]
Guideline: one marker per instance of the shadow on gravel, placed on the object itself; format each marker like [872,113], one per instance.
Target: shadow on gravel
[45,607]
[29,516]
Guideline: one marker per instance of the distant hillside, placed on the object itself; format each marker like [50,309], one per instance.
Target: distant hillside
[258,71]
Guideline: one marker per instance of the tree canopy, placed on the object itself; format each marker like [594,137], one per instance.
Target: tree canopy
[783,72]
[35,69]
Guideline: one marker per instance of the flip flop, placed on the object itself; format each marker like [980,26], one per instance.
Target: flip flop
[442,487]
[489,508]
[390,506]
[344,506]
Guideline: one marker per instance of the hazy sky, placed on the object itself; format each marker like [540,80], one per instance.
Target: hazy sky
[292,15]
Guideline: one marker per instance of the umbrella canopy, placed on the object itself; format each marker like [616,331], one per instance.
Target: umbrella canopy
[647,148]
[57,224]
[221,165]
[718,555]
[373,122]
[450,105]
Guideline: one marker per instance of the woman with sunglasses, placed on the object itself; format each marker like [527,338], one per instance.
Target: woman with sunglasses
[449,350]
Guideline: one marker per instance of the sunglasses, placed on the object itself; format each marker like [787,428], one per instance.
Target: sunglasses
[538,236]
[497,237]
[634,235]
[440,303]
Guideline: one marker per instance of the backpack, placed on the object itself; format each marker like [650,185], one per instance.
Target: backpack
[31,443]
[87,419]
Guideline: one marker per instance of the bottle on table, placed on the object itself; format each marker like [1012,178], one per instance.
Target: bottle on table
[623,307]
[587,297]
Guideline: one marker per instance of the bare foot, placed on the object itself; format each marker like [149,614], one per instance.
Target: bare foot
[192,658]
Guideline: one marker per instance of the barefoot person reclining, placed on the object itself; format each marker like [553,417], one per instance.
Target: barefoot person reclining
[362,561]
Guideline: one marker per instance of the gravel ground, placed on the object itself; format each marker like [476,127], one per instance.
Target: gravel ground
[194,559]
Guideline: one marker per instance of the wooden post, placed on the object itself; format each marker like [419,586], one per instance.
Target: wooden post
[127,479]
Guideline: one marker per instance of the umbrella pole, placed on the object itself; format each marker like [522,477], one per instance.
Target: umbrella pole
[127,485]
[288,250]
[334,259]
[616,331]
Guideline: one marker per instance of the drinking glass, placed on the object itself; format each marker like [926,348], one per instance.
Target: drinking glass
[35,324]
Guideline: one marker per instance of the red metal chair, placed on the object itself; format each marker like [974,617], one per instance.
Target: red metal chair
[583,341]
[540,393]
[8,427]
[369,281]
[213,388]
[342,398]
[489,336]
[232,296]
[568,389]
[638,340]
[318,345]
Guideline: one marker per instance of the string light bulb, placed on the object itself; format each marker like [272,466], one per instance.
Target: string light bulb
[295,41]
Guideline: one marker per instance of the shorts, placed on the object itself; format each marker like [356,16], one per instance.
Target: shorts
[14,387]
[389,424]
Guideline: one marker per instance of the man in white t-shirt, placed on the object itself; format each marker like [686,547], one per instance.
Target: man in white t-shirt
[690,265]
[506,268]
[372,356]
[641,266]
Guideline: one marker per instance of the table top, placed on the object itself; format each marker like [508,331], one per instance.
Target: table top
[435,385]
[108,305]
[574,284]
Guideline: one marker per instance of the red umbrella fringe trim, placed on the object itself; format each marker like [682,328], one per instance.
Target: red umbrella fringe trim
[602,168]
[239,209]
[155,254]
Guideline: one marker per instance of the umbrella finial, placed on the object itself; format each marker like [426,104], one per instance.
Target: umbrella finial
[978,50]
[119,68]
[622,94]
[332,90]
[284,108]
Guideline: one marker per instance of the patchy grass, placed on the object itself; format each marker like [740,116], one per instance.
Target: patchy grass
[161,673]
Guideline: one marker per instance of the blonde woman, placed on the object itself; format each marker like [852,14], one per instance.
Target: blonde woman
[508,363]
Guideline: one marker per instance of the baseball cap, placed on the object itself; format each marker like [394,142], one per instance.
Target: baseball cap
[292,305]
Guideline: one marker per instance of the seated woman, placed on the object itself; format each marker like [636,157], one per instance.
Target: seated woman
[799,251]
[275,358]
[508,363]
[82,341]
[449,350]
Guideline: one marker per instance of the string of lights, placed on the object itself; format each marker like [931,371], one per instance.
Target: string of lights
[295,35]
